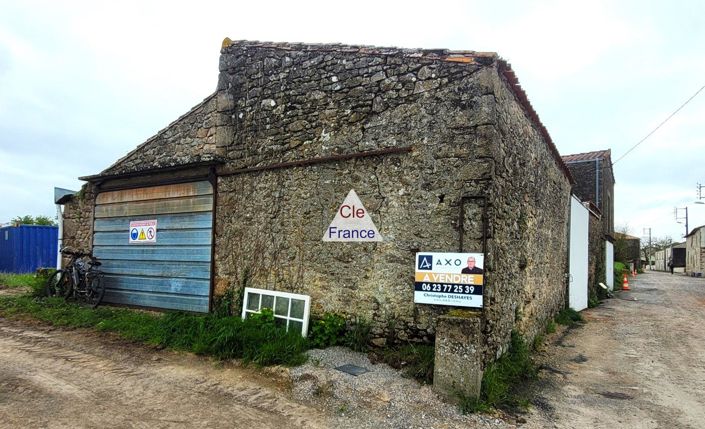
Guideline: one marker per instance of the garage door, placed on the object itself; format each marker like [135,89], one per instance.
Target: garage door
[167,267]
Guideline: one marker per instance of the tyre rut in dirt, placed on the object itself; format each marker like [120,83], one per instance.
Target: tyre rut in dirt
[57,284]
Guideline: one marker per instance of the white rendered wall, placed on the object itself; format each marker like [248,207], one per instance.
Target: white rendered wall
[578,266]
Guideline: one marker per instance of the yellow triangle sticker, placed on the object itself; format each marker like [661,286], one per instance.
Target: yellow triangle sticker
[142,236]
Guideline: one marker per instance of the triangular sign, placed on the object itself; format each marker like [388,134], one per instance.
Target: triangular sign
[352,222]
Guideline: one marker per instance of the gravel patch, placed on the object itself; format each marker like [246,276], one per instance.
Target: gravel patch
[381,397]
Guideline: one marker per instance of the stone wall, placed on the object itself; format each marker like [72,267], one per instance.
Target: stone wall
[78,219]
[292,104]
[695,254]
[594,182]
[470,137]
[596,255]
[529,214]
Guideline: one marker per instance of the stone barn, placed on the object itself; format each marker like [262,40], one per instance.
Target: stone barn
[442,147]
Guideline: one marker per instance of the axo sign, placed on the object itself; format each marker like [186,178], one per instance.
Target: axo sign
[449,279]
[352,222]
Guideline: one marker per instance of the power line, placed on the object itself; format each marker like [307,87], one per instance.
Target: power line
[659,125]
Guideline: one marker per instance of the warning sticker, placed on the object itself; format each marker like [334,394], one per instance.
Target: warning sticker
[143,231]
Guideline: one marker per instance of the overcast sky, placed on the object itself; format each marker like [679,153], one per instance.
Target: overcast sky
[83,83]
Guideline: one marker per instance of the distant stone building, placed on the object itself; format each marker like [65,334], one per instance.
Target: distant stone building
[695,252]
[675,253]
[594,185]
[442,147]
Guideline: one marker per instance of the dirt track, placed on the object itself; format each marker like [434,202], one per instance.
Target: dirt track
[639,362]
[70,379]
[636,364]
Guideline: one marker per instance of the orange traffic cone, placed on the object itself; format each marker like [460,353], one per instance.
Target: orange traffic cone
[625,282]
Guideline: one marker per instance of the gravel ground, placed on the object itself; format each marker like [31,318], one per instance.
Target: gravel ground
[381,397]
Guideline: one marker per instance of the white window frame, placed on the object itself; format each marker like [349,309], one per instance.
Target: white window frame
[275,294]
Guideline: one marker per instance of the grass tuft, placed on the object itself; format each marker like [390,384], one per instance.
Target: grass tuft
[569,317]
[503,380]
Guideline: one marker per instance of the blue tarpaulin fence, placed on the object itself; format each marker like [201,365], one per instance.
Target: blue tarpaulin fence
[25,248]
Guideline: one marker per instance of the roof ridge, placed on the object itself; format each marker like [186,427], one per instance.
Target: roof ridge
[440,53]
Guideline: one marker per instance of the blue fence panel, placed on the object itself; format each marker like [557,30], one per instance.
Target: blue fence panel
[25,248]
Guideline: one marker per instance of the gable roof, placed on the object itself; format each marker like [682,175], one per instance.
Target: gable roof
[120,168]
[588,156]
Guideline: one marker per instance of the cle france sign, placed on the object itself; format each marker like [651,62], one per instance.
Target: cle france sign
[352,222]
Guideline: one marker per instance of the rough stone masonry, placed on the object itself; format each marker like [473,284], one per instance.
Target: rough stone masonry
[429,139]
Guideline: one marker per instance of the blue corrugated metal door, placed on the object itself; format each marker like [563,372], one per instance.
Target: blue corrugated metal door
[170,270]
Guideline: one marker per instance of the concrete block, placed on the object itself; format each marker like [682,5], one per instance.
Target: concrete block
[458,358]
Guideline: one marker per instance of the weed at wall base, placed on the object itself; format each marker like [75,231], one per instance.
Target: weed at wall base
[569,317]
[503,379]
[358,335]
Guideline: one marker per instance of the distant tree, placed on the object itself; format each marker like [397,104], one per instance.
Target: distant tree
[30,220]
[657,243]
[44,220]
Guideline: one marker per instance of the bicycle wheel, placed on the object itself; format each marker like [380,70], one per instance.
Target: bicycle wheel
[70,285]
[95,289]
[57,284]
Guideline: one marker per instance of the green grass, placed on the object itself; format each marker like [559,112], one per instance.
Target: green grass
[503,380]
[256,339]
[19,280]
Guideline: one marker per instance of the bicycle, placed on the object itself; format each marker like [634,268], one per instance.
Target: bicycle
[80,279]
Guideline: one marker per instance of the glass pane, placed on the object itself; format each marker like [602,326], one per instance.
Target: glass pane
[295,326]
[297,308]
[282,308]
[280,322]
[267,301]
[253,301]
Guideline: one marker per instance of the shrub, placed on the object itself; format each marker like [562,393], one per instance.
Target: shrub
[619,270]
[327,331]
